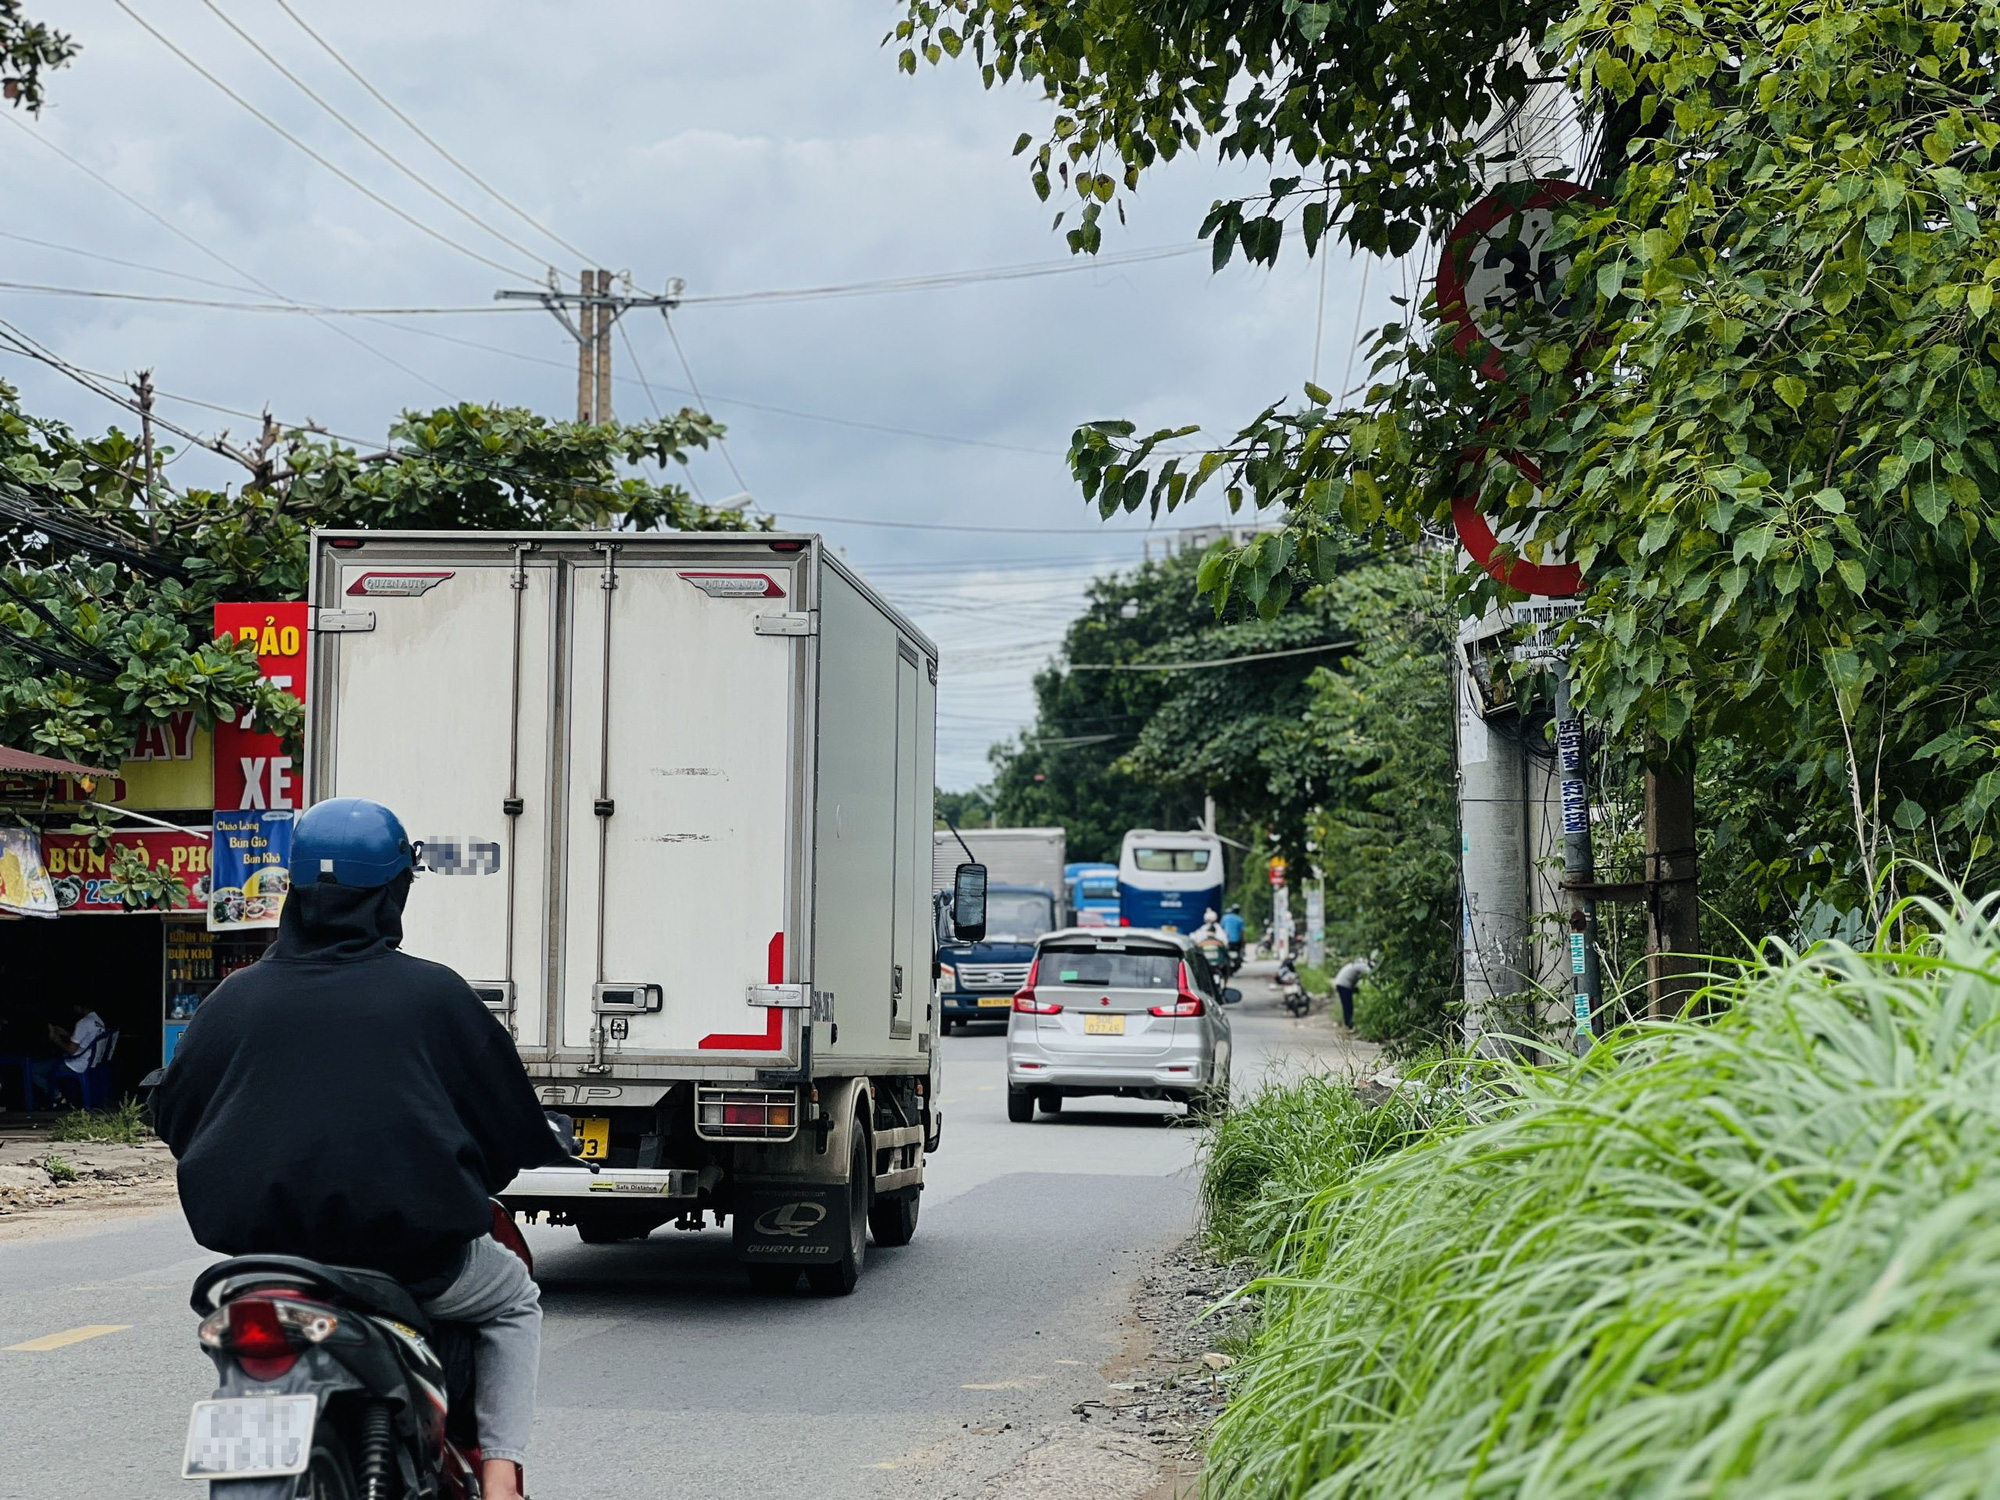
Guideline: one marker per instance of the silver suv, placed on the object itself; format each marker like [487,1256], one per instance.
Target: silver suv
[1124,1011]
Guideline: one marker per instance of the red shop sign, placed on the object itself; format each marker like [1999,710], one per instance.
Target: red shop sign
[80,873]
[252,768]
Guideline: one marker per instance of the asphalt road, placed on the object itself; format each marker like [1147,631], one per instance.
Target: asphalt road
[663,1375]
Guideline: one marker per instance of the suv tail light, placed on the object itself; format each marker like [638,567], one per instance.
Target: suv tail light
[1024,998]
[1186,1002]
[268,1333]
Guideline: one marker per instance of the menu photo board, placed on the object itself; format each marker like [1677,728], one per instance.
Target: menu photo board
[251,872]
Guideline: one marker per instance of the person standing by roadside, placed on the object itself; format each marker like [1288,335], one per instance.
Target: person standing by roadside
[1344,984]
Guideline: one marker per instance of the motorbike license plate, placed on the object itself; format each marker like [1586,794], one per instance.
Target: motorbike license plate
[595,1133]
[1104,1026]
[250,1437]
[995,1002]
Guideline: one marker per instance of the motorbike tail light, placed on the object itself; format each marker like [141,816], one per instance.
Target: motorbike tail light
[1186,1002]
[508,1233]
[267,1334]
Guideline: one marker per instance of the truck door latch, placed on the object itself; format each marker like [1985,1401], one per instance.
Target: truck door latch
[605,807]
[343,621]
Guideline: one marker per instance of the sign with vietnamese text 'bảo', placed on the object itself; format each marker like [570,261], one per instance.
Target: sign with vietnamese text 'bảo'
[252,768]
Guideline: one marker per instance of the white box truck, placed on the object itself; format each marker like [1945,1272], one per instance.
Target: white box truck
[1013,856]
[674,798]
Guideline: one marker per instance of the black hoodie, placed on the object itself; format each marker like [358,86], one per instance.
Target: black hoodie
[346,1102]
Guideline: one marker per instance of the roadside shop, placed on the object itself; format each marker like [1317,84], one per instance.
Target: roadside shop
[71,930]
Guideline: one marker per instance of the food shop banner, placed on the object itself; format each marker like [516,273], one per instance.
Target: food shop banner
[253,858]
[252,768]
[24,882]
[82,875]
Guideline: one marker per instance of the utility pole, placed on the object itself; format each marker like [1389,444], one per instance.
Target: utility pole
[143,389]
[586,349]
[1494,862]
[1672,908]
[598,309]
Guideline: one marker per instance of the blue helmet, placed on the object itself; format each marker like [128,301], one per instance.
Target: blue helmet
[349,841]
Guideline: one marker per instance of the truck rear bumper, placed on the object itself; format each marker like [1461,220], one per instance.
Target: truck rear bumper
[565,1185]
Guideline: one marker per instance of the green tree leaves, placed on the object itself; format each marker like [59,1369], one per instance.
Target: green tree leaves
[97,642]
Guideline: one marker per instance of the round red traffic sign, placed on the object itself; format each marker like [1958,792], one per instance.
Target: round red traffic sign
[1495,258]
[1500,553]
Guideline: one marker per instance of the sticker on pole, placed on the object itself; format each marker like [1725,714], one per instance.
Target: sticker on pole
[1511,554]
[1498,258]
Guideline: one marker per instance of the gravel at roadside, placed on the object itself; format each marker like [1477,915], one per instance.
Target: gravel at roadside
[47,1186]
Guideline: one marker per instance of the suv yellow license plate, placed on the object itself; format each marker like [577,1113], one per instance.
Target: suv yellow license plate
[995,1002]
[595,1133]
[1104,1025]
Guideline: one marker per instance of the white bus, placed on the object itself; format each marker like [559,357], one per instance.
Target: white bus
[1167,880]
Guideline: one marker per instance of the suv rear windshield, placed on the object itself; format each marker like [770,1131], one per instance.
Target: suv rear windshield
[1170,861]
[1109,971]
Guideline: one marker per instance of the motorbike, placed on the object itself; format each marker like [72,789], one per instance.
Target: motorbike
[334,1385]
[1290,992]
[1220,957]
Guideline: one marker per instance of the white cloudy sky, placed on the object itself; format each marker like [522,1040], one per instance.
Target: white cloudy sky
[741,147]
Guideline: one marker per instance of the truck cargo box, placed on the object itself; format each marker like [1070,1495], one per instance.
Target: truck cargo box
[673,793]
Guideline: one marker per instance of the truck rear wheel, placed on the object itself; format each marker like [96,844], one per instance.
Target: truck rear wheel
[893,1220]
[838,1279]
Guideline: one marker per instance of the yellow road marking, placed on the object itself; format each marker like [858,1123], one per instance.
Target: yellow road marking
[69,1336]
[987,1088]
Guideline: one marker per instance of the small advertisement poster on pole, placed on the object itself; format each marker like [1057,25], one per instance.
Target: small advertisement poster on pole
[25,889]
[251,869]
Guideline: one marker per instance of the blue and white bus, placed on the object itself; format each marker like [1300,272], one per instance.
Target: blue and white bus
[1093,894]
[1167,880]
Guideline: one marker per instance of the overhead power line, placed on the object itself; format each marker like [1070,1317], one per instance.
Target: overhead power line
[347,177]
[429,140]
[368,140]
[215,255]
[945,279]
[1189,666]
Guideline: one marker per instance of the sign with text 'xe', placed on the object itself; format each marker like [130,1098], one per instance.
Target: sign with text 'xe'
[252,768]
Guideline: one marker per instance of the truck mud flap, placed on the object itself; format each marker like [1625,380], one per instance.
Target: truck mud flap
[796,1223]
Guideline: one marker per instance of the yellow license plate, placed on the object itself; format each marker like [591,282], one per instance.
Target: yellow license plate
[595,1133]
[1104,1025]
[995,1002]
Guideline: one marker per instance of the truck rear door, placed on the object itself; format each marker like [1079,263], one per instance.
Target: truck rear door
[682,800]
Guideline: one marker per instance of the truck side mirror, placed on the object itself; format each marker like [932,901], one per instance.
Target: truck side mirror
[968,903]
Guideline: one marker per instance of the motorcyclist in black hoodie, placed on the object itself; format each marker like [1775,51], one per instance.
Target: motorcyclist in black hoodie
[346,1102]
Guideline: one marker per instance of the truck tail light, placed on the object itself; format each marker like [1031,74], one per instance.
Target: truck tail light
[1186,1002]
[745,1114]
[267,1334]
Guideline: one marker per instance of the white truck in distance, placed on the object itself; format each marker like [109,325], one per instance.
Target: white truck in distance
[1030,857]
[673,793]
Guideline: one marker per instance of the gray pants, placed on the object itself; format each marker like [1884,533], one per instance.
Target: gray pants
[496,1295]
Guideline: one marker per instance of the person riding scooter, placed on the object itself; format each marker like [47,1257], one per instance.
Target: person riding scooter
[349,1103]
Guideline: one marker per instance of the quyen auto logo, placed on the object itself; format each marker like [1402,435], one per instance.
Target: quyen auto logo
[396,585]
[790,1220]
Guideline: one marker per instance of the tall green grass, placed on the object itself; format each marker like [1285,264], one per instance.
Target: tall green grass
[1755,1257]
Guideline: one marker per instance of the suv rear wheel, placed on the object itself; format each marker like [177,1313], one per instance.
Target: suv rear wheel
[1020,1106]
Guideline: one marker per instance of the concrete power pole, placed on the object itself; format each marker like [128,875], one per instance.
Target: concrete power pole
[1494,852]
[598,309]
